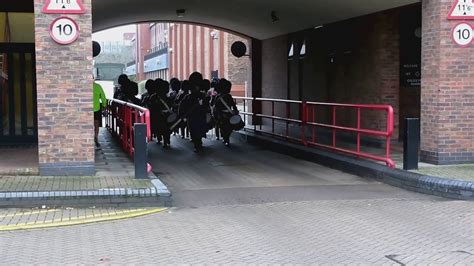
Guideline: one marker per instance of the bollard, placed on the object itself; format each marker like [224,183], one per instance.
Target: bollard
[411,144]
[140,151]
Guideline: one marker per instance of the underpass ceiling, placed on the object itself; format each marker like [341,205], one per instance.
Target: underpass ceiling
[249,17]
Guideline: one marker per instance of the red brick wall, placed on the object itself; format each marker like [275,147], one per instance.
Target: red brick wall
[274,72]
[447,90]
[365,68]
[237,69]
[64,92]
[353,61]
[143,47]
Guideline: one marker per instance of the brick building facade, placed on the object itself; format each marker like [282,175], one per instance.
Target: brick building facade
[374,58]
[64,97]
[447,94]
[168,50]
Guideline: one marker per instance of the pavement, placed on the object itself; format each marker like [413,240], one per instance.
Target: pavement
[384,231]
[459,172]
[47,217]
[19,160]
[236,174]
[277,210]
[114,183]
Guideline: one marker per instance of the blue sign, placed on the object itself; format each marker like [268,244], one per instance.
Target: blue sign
[131,70]
[156,63]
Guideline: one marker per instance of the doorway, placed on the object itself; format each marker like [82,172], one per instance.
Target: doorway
[18,113]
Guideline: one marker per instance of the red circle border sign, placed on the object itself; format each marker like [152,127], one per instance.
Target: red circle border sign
[454,28]
[73,39]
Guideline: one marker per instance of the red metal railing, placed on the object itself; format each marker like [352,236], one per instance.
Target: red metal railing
[304,116]
[121,117]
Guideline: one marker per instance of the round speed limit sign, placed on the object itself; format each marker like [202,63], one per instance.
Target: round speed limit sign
[64,30]
[463,34]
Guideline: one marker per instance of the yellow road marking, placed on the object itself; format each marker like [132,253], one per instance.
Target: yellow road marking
[85,217]
[27,213]
[81,220]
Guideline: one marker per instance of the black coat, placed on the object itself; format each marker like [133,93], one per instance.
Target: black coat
[221,111]
[195,109]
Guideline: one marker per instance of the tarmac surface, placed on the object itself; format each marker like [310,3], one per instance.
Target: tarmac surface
[243,173]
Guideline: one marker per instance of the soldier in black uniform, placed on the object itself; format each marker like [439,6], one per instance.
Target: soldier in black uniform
[225,108]
[147,100]
[162,106]
[119,90]
[185,89]
[150,87]
[131,90]
[175,86]
[205,88]
[194,108]
[213,93]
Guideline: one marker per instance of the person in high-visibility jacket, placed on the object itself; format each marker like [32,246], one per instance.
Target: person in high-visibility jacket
[100,103]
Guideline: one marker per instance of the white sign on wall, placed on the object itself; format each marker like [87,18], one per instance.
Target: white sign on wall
[463,34]
[462,9]
[64,30]
[64,7]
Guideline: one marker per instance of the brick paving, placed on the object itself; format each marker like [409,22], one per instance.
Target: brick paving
[242,213]
[114,178]
[110,160]
[461,172]
[18,219]
[374,231]
[68,183]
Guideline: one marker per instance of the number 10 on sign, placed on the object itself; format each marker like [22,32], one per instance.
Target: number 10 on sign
[463,34]
[64,30]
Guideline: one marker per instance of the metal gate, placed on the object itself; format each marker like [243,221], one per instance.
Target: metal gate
[18,113]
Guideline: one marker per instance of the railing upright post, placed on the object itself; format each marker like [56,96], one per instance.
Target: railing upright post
[245,111]
[304,119]
[113,117]
[390,126]
[313,112]
[148,124]
[130,121]
[254,115]
[273,115]
[334,124]
[358,129]
[125,129]
[108,114]
[287,116]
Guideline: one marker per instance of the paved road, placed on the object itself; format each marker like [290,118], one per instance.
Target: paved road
[314,215]
[249,174]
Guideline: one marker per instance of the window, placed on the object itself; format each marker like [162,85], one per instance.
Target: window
[303,49]
[291,52]
[153,36]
